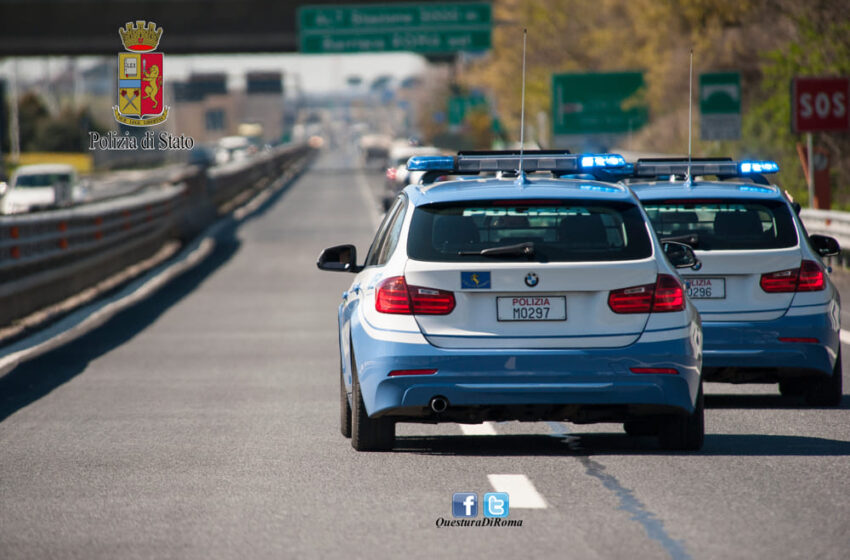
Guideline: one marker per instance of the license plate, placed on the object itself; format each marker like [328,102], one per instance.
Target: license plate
[706,288]
[531,308]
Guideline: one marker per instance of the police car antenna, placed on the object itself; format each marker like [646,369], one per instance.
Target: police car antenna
[690,118]
[522,103]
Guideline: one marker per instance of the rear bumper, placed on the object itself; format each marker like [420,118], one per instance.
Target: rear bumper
[528,384]
[753,352]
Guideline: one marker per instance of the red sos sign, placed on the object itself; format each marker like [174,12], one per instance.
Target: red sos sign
[820,104]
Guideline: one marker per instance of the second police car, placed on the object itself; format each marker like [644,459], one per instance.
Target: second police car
[515,297]
[769,311]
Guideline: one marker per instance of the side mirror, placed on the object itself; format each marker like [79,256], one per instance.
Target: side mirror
[824,245]
[681,255]
[341,258]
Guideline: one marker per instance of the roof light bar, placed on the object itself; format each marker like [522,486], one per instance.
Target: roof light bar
[550,161]
[720,167]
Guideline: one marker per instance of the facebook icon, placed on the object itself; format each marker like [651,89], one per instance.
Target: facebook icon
[464,504]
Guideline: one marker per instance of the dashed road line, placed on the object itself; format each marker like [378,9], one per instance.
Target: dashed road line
[844,336]
[629,503]
[485,429]
[522,492]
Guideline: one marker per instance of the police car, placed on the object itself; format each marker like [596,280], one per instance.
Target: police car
[770,313]
[517,296]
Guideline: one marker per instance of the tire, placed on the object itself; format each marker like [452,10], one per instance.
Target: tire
[344,408]
[638,428]
[367,434]
[828,391]
[792,387]
[685,433]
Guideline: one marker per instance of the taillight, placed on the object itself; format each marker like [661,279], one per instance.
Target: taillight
[391,173]
[392,296]
[665,295]
[395,296]
[811,277]
[669,295]
[637,299]
[808,278]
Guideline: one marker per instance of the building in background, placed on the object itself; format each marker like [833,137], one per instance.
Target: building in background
[207,111]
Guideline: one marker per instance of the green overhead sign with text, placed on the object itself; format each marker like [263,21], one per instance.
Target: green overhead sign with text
[427,27]
[598,103]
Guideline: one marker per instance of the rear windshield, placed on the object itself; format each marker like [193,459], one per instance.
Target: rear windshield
[558,231]
[725,224]
[42,180]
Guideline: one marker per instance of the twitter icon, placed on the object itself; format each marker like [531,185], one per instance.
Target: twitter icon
[496,504]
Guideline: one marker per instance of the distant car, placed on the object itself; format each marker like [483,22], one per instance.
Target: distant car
[233,148]
[397,175]
[769,311]
[375,149]
[38,187]
[518,298]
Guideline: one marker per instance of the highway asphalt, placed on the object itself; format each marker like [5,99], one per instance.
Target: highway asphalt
[203,423]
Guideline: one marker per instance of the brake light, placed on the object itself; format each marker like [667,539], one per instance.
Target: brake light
[392,296]
[664,296]
[391,173]
[637,299]
[811,277]
[395,296]
[807,278]
[666,370]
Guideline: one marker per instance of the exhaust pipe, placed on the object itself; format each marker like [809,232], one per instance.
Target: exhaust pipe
[439,404]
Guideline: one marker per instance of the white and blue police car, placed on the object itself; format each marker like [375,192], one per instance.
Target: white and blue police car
[770,313]
[494,294]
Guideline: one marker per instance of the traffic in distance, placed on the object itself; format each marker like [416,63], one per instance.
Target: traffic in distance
[553,286]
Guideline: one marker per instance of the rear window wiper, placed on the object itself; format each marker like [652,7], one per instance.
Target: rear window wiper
[519,250]
[691,239]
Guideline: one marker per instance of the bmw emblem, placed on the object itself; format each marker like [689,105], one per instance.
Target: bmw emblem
[531,280]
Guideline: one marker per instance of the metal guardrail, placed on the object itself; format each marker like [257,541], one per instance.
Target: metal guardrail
[828,222]
[28,239]
[46,257]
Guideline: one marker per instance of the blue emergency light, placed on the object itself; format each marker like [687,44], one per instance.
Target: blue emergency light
[747,167]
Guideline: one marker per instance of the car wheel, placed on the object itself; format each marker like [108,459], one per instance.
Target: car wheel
[344,408]
[685,433]
[828,391]
[638,428]
[792,387]
[367,434]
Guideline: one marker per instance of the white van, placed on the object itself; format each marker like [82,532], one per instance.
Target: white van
[36,187]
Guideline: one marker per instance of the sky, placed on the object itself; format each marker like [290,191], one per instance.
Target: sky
[316,73]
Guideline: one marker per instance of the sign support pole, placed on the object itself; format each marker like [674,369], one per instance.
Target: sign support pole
[810,167]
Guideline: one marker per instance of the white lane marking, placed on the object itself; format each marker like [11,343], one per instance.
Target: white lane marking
[485,429]
[522,492]
[844,336]
[368,199]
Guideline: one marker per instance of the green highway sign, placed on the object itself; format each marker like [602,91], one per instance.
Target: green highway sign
[597,103]
[720,106]
[428,27]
